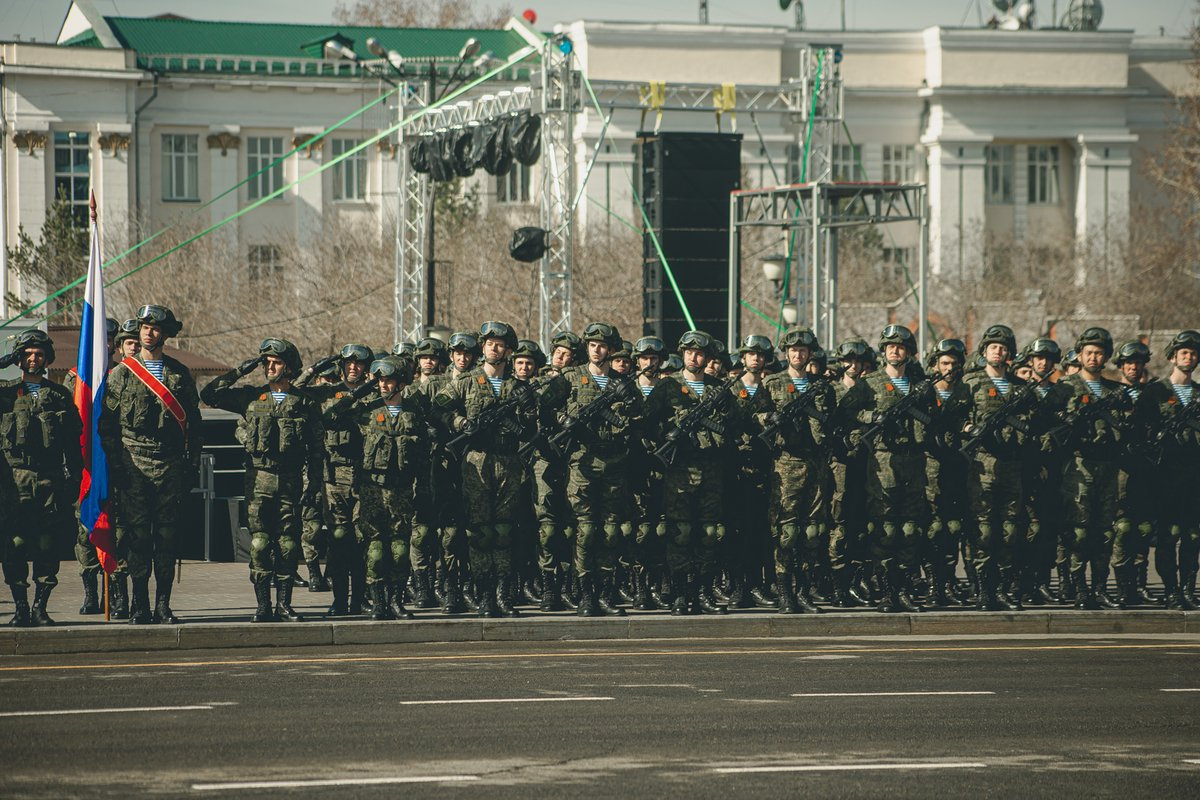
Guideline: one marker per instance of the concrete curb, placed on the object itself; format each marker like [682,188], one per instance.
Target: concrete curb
[118,637]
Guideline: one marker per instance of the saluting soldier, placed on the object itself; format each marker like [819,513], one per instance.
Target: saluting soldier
[150,427]
[40,430]
[284,440]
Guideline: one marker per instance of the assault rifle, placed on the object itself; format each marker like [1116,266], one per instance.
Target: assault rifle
[698,417]
[921,394]
[1005,416]
[1185,418]
[1087,413]
[790,416]
[563,441]
[501,415]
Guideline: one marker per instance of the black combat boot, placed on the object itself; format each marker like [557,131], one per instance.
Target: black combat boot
[504,596]
[764,597]
[1187,584]
[887,599]
[903,593]
[1100,589]
[265,612]
[378,594]
[316,581]
[283,601]
[643,599]
[551,593]
[788,602]
[454,603]
[1142,577]
[841,589]
[706,599]
[139,609]
[1066,585]
[804,599]
[610,597]
[423,578]
[589,599]
[118,596]
[679,595]
[163,614]
[1173,595]
[20,617]
[339,584]
[738,596]
[359,601]
[91,595]
[396,600]
[937,587]
[41,596]
[1083,593]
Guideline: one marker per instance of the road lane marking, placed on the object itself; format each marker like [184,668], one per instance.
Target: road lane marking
[139,710]
[1179,690]
[467,657]
[884,694]
[501,700]
[226,787]
[848,767]
[1191,761]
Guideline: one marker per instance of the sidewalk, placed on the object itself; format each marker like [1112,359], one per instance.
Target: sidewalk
[215,602]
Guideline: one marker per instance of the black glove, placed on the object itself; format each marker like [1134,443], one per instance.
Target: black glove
[364,390]
[324,363]
[10,359]
[248,366]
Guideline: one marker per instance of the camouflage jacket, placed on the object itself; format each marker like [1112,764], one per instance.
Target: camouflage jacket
[466,398]
[133,416]
[810,435]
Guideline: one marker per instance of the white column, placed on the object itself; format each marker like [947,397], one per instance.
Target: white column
[224,151]
[956,208]
[1102,196]
[111,180]
[309,193]
[29,182]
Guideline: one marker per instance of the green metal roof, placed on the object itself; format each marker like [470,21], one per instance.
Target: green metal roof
[258,40]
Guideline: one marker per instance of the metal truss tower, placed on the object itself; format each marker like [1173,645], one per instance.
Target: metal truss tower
[414,209]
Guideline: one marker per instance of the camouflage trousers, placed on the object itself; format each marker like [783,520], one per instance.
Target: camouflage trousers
[897,522]
[491,492]
[150,494]
[694,515]
[273,503]
[341,511]
[949,501]
[1090,498]
[598,495]
[799,510]
[998,503]
[38,520]
[555,534]
[385,527]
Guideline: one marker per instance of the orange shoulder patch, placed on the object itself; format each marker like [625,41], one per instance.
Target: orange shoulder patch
[685,389]
[482,380]
[339,396]
[262,396]
[1087,398]
[743,394]
[889,387]
[791,387]
[991,391]
[1172,400]
[379,418]
[584,380]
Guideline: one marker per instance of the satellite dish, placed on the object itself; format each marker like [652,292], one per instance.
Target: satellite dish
[1019,15]
[1003,5]
[1083,15]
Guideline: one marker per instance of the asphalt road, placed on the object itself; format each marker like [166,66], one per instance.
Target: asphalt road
[1010,717]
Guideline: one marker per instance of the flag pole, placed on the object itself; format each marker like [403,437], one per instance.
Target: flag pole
[107,612]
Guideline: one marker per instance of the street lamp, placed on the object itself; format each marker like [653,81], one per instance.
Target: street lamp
[773,267]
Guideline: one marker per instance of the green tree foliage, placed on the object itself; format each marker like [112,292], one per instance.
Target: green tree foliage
[59,257]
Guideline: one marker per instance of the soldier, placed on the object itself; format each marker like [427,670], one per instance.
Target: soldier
[848,476]
[1090,476]
[563,349]
[85,551]
[998,496]
[1171,410]
[39,476]
[622,360]
[284,441]
[528,360]
[126,341]
[1070,363]
[1042,478]
[464,352]
[692,509]
[748,543]
[648,552]
[393,479]
[433,357]
[492,472]
[1128,542]
[799,485]
[343,447]
[947,491]
[897,463]
[151,432]
[598,465]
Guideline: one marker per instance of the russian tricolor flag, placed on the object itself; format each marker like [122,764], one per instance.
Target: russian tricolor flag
[92,374]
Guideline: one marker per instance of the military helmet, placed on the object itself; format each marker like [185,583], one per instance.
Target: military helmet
[162,317]
[466,341]
[404,349]
[1132,351]
[111,326]
[356,352]
[955,348]
[798,337]
[898,334]
[285,351]
[696,340]
[129,330]
[604,333]
[1045,347]
[757,343]
[1098,337]
[528,348]
[393,366]
[999,334]
[650,346]
[673,363]
[855,350]
[498,330]
[1021,359]
[625,350]
[820,358]
[566,339]
[1071,358]
[1188,339]
[34,337]
[431,347]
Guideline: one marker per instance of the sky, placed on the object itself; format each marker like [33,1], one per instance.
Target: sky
[40,19]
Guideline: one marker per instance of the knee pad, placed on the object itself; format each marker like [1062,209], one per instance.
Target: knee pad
[812,533]
[955,526]
[910,529]
[546,531]
[1123,526]
[340,533]
[661,530]
[985,532]
[788,535]
[1080,535]
[711,536]
[503,534]
[259,542]
[890,531]
[374,550]
[612,534]
[1011,528]
[1146,529]
[167,534]
[682,533]
[585,534]
[627,530]
[935,528]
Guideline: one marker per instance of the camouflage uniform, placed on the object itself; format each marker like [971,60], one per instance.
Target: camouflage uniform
[1042,482]
[284,443]
[748,540]
[39,437]
[425,551]
[947,490]
[848,484]
[153,462]
[799,485]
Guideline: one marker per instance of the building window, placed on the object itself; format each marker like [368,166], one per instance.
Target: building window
[1000,159]
[847,163]
[349,174]
[180,167]
[72,172]
[264,261]
[261,151]
[899,163]
[513,187]
[1043,175]
[896,261]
